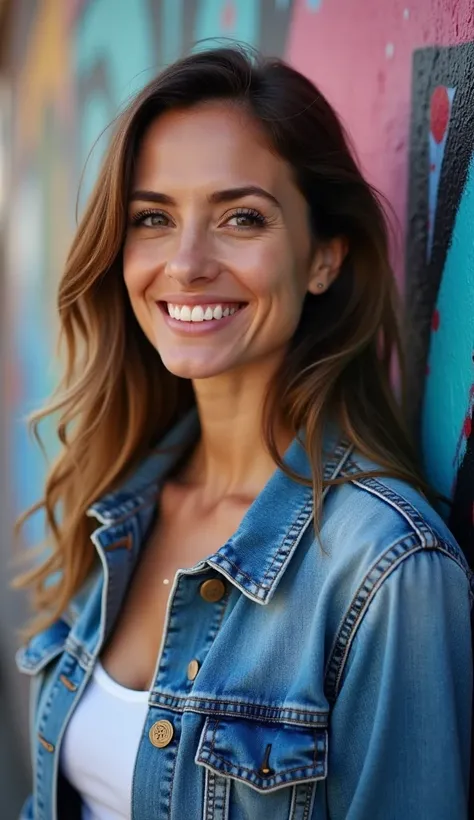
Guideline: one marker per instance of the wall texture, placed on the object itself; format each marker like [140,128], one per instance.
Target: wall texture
[400,74]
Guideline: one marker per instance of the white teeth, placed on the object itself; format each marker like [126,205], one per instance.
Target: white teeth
[197,314]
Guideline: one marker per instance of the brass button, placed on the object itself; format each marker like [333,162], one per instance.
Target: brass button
[212,590]
[161,733]
[193,669]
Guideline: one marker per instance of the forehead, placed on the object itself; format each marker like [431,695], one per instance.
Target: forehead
[210,144]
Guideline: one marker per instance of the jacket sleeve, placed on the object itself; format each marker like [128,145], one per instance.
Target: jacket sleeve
[399,738]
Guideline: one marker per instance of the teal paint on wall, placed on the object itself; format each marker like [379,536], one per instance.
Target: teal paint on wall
[451,369]
[114,56]
[223,18]
[171,39]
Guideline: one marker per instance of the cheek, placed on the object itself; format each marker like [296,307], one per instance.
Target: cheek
[138,267]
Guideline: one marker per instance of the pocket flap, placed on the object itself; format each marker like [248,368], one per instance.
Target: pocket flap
[42,648]
[266,756]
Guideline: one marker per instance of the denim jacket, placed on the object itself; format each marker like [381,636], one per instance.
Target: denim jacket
[335,672]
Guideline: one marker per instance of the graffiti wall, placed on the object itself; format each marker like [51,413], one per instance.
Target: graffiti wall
[401,76]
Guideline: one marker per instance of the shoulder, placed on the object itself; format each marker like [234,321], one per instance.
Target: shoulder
[391,557]
[368,517]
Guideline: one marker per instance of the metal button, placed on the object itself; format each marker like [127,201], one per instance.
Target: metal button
[212,590]
[193,669]
[161,733]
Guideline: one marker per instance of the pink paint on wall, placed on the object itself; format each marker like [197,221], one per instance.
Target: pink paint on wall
[359,52]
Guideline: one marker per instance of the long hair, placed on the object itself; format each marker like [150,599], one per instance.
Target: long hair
[116,399]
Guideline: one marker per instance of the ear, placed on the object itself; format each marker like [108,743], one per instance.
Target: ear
[326,264]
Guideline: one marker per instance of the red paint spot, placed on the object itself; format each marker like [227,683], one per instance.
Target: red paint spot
[467,429]
[435,321]
[432,167]
[228,16]
[439,114]
[427,370]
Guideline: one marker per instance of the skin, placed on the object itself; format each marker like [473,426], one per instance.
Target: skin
[193,245]
[196,247]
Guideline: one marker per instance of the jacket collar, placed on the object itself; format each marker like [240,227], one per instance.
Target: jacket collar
[256,556]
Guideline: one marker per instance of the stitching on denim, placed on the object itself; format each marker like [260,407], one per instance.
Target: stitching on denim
[360,604]
[226,786]
[254,771]
[218,559]
[246,704]
[393,497]
[288,540]
[365,586]
[173,772]
[210,794]
[356,612]
[333,467]
[278,721]
[341,453]
[316,776]
[309,795]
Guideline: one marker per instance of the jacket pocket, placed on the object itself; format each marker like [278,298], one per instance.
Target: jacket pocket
[260,770]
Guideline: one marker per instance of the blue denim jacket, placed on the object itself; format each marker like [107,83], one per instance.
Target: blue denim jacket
[335,676]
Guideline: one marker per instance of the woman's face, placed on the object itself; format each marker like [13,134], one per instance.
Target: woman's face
[217,258]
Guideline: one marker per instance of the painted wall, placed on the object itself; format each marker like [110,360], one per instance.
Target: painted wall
[399,73]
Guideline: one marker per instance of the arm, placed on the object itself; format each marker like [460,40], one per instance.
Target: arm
[400,729]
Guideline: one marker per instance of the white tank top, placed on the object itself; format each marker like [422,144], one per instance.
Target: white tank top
[100,746]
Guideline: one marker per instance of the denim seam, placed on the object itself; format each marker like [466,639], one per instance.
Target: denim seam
[173,772]
[394,498]
[289,540]
[242,703]
[294,531]
[360,600]
[307,806]
[282,774]
[137,504]
[360,604]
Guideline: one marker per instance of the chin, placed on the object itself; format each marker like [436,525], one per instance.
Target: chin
[193,370]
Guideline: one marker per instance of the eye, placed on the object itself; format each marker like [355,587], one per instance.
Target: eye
[151,219]
[245,218]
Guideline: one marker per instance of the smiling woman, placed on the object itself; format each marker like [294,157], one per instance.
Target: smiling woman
[227,421]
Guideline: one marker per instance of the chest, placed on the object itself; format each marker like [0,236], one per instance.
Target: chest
[181,537]
[242,734]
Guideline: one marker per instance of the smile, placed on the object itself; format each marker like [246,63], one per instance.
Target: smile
[202,313]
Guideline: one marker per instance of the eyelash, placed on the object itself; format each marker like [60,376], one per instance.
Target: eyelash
[260,220]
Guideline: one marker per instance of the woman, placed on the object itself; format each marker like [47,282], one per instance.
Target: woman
[250,609]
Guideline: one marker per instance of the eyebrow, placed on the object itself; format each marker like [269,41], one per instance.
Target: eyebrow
[227,195]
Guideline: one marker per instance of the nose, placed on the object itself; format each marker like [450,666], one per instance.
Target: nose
[191,261]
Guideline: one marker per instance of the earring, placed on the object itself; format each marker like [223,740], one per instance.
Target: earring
[320,285]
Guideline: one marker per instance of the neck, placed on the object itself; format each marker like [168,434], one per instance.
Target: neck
[232,458]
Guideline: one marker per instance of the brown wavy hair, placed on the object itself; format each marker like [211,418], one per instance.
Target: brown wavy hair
[116,399]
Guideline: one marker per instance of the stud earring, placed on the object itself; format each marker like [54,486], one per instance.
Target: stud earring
[320,285]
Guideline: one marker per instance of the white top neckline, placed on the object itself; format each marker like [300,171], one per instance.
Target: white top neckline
[103,679]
